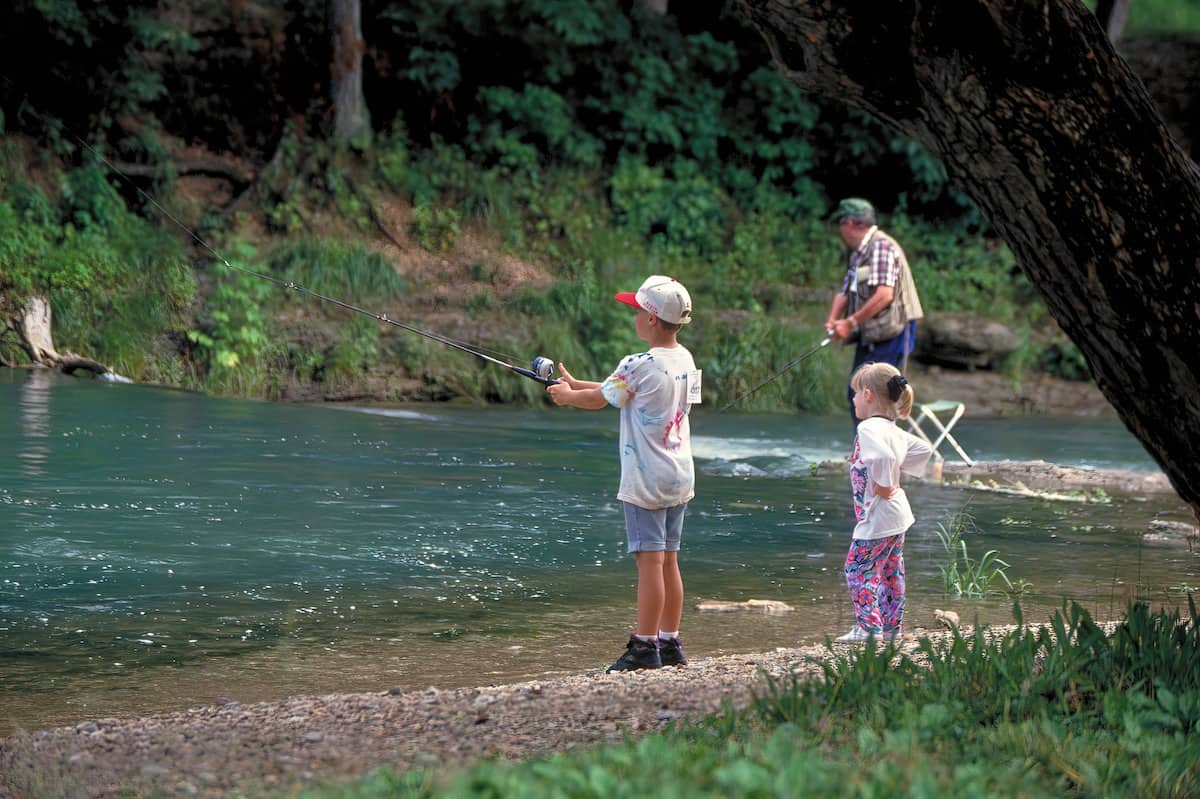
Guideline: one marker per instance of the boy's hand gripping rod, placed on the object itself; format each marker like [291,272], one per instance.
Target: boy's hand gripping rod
[738,399]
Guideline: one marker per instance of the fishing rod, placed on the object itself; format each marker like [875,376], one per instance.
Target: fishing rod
[540,368]
[814,350]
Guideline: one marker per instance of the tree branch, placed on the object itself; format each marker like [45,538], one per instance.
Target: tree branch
[208,167]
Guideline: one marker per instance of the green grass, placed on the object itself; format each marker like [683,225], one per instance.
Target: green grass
[1065,709]
[965,575]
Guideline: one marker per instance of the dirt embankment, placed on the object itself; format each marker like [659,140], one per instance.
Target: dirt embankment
[991,394]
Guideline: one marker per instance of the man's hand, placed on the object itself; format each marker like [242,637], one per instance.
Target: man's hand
[843,329]
[885,491]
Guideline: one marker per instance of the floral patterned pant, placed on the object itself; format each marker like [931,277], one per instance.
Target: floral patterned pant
[875,575]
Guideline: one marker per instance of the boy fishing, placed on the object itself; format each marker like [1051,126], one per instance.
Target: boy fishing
[654,391]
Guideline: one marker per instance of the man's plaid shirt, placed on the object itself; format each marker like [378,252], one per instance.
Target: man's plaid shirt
[884,263]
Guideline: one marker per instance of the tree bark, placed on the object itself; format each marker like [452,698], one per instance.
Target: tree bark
[1060,146]
[34,325]
[351,118]
[656,7]
[208,167]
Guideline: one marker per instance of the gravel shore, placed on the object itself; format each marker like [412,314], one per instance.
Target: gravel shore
[229,749]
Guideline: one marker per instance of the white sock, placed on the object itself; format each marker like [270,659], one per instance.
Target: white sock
[647,638]
[662,634]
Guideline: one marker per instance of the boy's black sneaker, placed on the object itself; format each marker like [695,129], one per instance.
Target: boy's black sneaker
[670,651]
[639,654]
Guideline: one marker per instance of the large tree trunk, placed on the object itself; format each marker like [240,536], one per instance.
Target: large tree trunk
[1047,129]
[33,323]
[656,7]
[351,117]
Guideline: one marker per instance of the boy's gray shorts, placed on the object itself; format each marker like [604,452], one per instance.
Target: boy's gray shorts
[654,530]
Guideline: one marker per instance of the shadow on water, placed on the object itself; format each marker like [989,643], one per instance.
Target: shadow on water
[161,550]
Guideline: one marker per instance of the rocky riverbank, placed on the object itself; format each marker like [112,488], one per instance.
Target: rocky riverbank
[278,747]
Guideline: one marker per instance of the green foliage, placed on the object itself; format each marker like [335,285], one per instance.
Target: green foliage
[441,174]
[337,268]
[963,575]
[958,271]
[737,358]
[1063,359]
[114,281]
[682,213]
[1162,16]
[435,227]
[517,127]
[592,140]
[304,177]
[356,349]
[235,337]
[391,159]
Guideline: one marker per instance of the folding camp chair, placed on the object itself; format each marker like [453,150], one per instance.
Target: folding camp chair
[929,412]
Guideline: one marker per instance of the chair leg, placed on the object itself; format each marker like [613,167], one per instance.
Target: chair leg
[943,431]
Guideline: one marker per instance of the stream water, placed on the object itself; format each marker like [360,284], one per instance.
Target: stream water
[161,549]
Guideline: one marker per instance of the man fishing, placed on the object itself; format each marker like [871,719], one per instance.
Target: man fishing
[877,306]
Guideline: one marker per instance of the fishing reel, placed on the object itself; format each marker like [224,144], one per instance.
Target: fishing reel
[542,367]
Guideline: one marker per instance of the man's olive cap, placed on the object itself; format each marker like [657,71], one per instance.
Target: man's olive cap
[854,208]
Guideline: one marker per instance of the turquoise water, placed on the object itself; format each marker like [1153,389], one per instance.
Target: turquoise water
[161,549]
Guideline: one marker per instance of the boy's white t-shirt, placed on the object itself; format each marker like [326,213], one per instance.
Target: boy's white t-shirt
[651,389]
[881,452]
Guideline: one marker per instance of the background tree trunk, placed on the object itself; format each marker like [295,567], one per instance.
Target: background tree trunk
[1113,14]
[1047,129]
[351,117]
[34,323]
[656,7]
[1169,66]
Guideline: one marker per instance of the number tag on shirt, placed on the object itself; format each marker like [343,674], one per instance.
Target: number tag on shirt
[693,387]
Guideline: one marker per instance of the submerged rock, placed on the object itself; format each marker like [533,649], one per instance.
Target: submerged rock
[765,605]
[1042,477]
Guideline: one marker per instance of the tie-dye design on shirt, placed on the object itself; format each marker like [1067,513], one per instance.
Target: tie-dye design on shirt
[650,388]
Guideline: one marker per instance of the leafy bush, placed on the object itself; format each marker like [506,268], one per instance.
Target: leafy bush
[435,227]
[1063,359]
[235,331]
[682,213]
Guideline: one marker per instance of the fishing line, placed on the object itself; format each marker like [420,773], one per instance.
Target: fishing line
[539,369]
[815,349]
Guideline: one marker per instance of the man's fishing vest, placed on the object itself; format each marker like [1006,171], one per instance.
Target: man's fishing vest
[905,305]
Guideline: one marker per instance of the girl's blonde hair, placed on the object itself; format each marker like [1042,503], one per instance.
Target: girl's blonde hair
[885,381]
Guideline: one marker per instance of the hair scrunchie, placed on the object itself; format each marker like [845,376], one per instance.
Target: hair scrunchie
[895,387]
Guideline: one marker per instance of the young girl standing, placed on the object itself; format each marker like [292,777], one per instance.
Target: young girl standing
[875,564]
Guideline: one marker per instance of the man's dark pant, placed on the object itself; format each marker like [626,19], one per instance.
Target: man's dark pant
[894,351]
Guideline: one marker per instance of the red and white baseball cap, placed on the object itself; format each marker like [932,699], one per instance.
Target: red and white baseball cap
[663,296]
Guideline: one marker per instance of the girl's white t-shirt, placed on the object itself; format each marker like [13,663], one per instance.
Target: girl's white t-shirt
[651,389]
[881,452]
